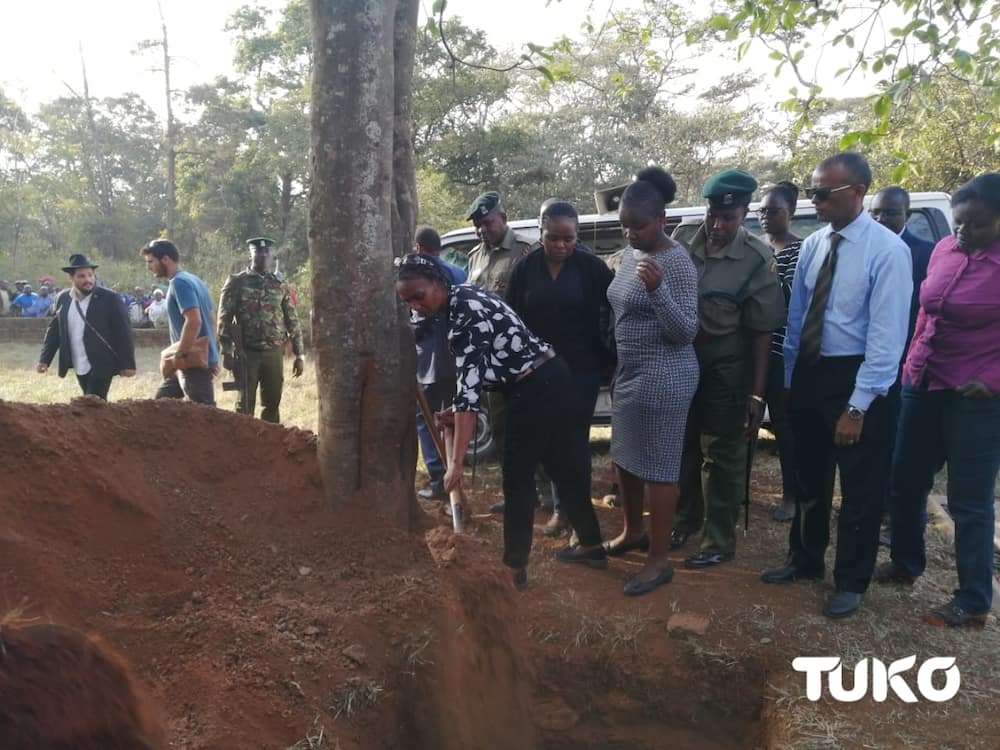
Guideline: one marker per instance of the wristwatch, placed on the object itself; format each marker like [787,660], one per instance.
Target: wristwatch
[854,413]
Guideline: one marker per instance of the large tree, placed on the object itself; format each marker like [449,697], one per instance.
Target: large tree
[361,213]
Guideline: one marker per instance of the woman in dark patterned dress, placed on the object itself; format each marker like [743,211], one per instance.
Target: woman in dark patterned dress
[655,300]
[494,349]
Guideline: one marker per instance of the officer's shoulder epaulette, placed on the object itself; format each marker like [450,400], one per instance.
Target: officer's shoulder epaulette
[760,247]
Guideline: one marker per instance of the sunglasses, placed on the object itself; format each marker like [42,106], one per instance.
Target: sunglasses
[412,259]
[822,194]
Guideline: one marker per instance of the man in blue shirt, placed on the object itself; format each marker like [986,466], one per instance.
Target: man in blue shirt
[847,322]
[435,362]
[26,301]
[189,311]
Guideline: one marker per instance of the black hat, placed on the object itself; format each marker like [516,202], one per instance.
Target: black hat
[77,261]
[260,242]
[733,187]
[484,204]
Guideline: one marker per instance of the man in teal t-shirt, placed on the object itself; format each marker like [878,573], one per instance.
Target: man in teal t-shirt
[189,310]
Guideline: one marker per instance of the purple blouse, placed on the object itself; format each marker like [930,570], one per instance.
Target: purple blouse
[957,338]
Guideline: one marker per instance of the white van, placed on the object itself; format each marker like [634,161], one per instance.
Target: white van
[930,218]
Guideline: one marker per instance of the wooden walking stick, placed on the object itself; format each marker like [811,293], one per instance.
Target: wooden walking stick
[445,449]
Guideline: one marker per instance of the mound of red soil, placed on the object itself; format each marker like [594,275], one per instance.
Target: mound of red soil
[198,543]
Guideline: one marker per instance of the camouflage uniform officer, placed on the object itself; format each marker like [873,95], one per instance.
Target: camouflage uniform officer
[739,304]
[259,302]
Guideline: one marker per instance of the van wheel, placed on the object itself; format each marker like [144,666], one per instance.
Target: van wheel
[482,445]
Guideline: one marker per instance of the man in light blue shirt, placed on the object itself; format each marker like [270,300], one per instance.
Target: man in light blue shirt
[847,325]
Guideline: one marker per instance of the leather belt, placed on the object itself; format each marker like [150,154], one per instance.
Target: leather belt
[538,361]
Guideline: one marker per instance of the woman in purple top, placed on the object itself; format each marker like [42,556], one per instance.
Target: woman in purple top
[951,407]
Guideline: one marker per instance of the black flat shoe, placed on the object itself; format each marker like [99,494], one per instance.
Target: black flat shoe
[842,604]
[520,579]
[789,574]
[594,558]
[707,560]
[641,544]
[638,588]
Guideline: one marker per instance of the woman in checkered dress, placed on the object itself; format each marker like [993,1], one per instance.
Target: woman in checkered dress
[655,299]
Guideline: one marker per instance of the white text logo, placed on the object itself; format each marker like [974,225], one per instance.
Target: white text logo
[882,678]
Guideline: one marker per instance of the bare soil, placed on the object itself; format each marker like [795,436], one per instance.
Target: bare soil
[198,544]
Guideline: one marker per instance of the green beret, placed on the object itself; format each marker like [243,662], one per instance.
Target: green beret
[260,242]
[730,188]
[484,204]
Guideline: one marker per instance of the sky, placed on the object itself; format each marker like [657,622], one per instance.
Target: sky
[40,54]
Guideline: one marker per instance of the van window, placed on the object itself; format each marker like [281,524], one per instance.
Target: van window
[457,253]
[920,226]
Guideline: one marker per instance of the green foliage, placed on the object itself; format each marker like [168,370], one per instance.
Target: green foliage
[956,38]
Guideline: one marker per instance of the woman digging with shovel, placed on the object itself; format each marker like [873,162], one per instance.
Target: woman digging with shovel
[494,350]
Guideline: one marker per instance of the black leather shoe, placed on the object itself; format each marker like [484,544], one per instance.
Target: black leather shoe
[789,574]
[641,544]
[520,579]
[595,558]
[432,493]
[638,588]
[678,538]
[498,507]
[707,560]
[842,604]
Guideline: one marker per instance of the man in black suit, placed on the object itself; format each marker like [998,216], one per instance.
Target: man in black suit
[91,331]
[891,208]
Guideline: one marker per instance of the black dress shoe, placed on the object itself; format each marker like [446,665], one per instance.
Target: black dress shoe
[520,579]
[641,544]
[594,558]
[498,507]
[638,588]
[707,560]
[842,604]
[678,538]
[789,574]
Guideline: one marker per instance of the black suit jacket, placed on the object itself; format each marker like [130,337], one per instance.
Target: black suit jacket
[920,251]
[107,314]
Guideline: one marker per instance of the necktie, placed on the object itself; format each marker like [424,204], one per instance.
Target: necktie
[812,328]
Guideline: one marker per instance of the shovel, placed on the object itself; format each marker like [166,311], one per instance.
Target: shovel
[445,449]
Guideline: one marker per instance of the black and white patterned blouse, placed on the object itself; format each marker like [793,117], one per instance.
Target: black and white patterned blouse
[491,344]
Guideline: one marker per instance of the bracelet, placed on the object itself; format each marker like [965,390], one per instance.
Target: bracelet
[759,399]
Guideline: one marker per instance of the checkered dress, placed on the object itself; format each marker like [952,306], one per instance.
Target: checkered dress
[657,367]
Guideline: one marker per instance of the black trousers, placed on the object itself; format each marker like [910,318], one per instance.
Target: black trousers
[195,383]
[819,396]
[92,385]
[540,430]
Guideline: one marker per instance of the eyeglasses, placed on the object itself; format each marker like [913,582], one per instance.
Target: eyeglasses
[823,194]
[770,211]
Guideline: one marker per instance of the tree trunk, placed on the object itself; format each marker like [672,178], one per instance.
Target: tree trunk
[285,205]
[361,212]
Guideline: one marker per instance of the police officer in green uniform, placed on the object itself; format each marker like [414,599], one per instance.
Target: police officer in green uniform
[740,304]
[260,305]
[499,248]
[490,262]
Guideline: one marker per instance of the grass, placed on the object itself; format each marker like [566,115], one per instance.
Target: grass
[20,382]
[315,739]
[355,695]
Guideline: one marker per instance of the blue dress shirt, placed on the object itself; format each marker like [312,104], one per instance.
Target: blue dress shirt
[869,306]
